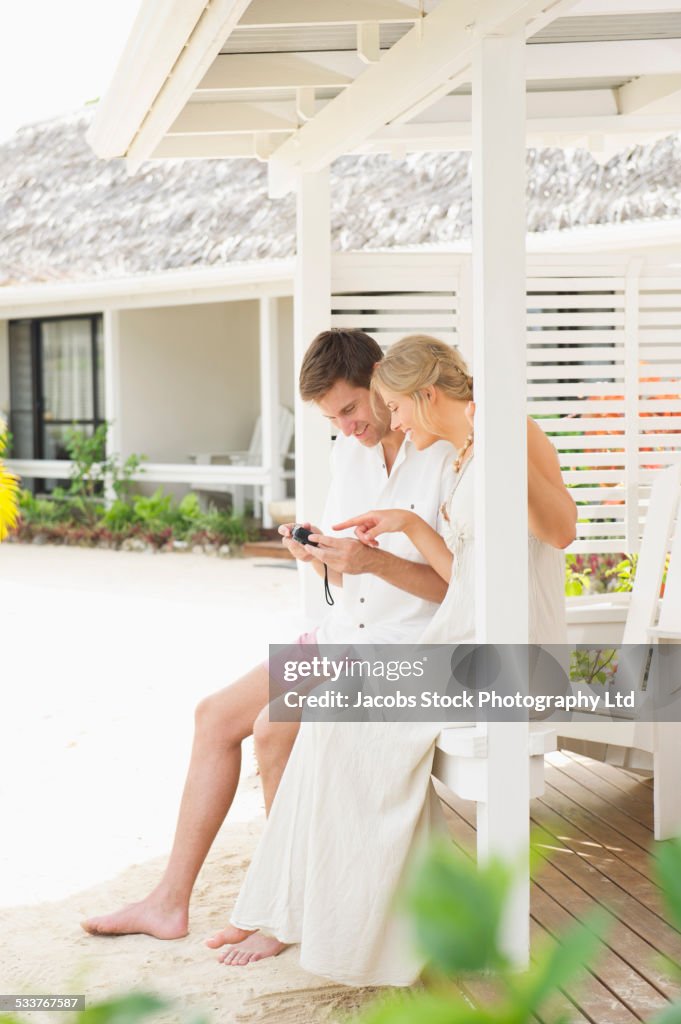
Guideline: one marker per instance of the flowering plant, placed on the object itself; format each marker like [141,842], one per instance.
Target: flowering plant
[9,491]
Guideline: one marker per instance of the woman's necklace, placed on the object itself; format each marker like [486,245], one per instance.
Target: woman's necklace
[458,461]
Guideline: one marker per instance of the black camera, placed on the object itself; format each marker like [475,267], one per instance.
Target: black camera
[302,535]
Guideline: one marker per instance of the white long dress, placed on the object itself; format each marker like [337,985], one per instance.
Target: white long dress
[356,804]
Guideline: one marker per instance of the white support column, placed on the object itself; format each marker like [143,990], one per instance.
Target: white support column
[4,367]
[312,314]
[269,405]
[631,401]
[112,383]
[464,300]
[501,436]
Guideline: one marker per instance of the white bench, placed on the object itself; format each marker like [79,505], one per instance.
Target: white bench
[647,745]
[252,456]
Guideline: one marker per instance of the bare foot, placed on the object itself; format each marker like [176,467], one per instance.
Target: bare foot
[229,936]
[148,917]
[255,946]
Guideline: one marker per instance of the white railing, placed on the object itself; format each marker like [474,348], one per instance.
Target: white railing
[151,472]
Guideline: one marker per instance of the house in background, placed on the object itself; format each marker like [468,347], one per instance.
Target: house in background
[162,302]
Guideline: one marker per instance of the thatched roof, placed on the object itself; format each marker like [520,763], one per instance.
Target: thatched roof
[66,215]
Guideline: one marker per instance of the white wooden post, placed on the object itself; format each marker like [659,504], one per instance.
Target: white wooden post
[631,420]
[4,368]
[312,314]
[269,405]
[112,385]
[501,435]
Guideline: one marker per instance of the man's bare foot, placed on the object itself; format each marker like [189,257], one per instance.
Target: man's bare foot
[255,946]
[148,917]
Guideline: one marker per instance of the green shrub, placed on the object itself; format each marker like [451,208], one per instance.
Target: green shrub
[78,514]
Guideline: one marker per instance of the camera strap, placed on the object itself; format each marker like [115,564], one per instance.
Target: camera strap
[327,589]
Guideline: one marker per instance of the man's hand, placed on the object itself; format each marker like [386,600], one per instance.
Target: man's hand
[342,554]
[299,551]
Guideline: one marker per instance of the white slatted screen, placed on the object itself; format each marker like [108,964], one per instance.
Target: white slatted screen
[389,295]
[603,363]
[576,359]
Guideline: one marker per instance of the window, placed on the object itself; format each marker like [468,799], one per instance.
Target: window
[56,382]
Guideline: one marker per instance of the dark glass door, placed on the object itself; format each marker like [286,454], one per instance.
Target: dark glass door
[56,382]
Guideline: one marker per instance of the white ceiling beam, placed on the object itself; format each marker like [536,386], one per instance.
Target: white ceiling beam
[229,118]
[268,71]
[279,13]
[579,60]
[588,8]
[456,135]
[279,71]
[441,47]
[158,35]
[234,118]
[207,147]
[559,104]
[652,94]
[264,144]
[626,59]
[306,103]
[202,45]
[369,42]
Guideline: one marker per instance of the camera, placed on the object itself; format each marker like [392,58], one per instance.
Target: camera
[302,535]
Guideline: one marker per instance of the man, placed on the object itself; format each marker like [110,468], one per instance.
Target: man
[384,595]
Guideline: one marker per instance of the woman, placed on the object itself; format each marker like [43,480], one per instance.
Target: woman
[356,803]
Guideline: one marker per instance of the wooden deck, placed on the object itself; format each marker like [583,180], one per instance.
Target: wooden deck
[594,824]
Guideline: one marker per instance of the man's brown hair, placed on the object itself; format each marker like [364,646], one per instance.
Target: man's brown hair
[334,355]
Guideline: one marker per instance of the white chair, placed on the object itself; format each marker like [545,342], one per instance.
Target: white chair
[252,456]
[646,746]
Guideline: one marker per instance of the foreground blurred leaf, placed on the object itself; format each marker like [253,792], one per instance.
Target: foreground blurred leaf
[668,867]
[123,1010]
[670,1015]
[559,965]
[429,1008]
[457,910]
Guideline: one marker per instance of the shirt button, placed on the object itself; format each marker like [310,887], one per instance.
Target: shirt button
[411,506]
[361,625]
[361,600]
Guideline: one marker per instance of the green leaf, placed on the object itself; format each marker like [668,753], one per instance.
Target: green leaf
[429,1008]
[668,868]
[558,965]
[457,909]
[126,1009]
[670,1015]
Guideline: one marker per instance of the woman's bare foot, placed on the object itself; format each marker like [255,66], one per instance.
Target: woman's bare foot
[255,946]
[150,916]
[229,936]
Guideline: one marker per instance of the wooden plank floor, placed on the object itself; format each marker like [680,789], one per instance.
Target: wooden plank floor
[593,826]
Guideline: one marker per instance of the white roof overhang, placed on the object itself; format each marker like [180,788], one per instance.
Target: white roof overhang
[300,82]
[229,283]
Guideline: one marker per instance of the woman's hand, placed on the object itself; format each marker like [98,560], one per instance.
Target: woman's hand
[371,525]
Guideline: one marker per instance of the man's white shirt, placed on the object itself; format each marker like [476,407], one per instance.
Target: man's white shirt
[367,609]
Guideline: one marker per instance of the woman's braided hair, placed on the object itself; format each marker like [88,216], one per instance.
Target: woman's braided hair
[418,362]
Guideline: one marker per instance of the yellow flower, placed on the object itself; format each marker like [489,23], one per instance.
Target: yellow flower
[9,490]
[9,510]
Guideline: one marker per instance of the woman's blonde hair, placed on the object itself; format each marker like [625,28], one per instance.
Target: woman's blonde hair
[418,362]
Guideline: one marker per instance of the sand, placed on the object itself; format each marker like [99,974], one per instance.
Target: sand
[103,658]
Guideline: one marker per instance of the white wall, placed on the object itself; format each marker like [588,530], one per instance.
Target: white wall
[189,379]
[288,386]
[4,369]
